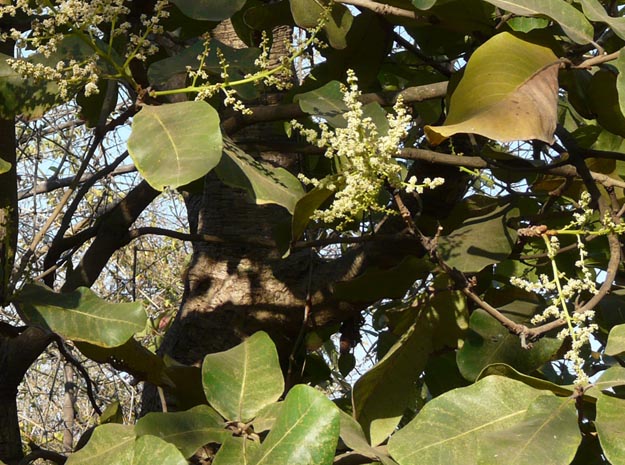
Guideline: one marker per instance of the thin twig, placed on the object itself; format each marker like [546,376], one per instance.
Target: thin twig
[70,358]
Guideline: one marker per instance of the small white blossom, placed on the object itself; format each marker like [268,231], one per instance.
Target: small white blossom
[364,158]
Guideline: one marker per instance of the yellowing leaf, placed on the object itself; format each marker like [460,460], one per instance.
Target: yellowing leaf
[509,92]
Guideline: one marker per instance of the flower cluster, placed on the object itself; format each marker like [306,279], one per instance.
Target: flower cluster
[412,186]
[364,158]
[562,290]
[88,20]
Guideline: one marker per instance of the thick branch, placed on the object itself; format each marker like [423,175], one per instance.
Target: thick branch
[112,235]
[480,163]
[382,8]
[287,111]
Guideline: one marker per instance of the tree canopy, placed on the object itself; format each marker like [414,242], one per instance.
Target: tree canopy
[446,178]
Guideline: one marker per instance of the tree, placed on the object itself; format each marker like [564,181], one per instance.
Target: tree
[446,175]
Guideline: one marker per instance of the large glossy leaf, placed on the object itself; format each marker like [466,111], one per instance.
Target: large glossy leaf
[452,427]
[209,10]
[353,437]
[305,433]
[307,13]
[81,315]
[509,91]
[110,444]
[381,395]
[611,428]
[114,444]
[620,80]
[604,101]
[188,430]
[489,342]
[571,20]
[265,183]
[595,11]
[236,450]
[305,207]
[466,249]
[613,376]
[326,102]
[616,341]
[174,144]
[239,382]
[149,450]
[266,417]
[131,357]
[240,61]
[375,284]
[548,434]
[501,369]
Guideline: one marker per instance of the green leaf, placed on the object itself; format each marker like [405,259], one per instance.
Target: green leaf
[352,435]
[209,10]
[81,315]
[188,431]
[114,444]
[110,444]
[149,450]
[307,14]
[266,417]
[450,428]
[548,434]
[326,102]
[620,80]
[491,343]
[113,413]
[501,369]
[381,395]
[466,249]
[375,283]
[131,357]
[305,433]
[524,24]
[572,21]
[613,376]
[423,4]
[239,382]
[174,144]
[5,166]
[509,91]
[305,207]
[240,62]
[611,428]
[265,183]
[604,101]
[595,11]
[236,450]
[616,341]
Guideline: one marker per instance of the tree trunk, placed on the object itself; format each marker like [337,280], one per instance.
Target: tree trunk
[233,290]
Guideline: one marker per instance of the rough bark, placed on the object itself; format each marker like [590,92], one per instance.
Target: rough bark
[13,363]
[233,290]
